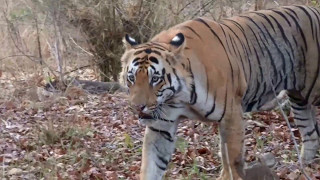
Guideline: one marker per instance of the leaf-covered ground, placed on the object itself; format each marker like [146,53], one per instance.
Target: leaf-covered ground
[77,135]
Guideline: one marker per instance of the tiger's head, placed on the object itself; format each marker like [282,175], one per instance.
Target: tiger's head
[157,74]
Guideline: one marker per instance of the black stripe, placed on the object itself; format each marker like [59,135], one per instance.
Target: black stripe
[135,60]
[301,126]
[293,72]
[292,12]
[168,62]
[225,104]
[240,54]
[254,34]
[308,140]
[175,106]
[316,9]
[169,78]
[316,126]
[242,30]
[283,34]
[309,16]
[171,88]
[153,68]
[258,83]
[154,60]
[317,70]
[160,167]
[250,19]
[193,95]
[164,134]
[163,119]
[156,52]
[295,40]
[213,105]
[225,36]
[138,52]
[178,79]
[266,18]
[244,47]
[163,72]
[156,147]
[310,132]
[271,62]
[316,101]
[234,50]
[304,63]
[191,29]
[250,106]
[137,63]
[317,16]
[164,161]
[268,51]
[215,34]
[262,93]
[301,119]
[298,108]
[279,52]
[282,15]
[207,84]
[299,28]
[159,46]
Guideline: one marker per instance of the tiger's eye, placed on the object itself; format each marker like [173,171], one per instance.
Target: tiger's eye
[131,77]
[155,79]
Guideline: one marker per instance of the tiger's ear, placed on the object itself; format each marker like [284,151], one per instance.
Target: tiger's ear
[179,43]
[129,41]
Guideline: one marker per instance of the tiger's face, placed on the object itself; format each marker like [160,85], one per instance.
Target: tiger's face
[153,74]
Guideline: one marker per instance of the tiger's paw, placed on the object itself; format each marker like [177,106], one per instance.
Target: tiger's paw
[308,155]
[226,176]
[309,152]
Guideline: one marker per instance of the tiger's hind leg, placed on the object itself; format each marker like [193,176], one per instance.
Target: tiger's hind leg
[304,115]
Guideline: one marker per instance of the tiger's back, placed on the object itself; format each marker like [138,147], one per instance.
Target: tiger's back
[270,49]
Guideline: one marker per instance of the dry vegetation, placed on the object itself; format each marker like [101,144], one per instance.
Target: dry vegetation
[72,134]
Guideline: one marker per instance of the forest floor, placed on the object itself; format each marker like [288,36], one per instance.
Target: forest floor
[77,135]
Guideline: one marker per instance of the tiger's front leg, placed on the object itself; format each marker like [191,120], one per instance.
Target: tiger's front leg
[231,130]
[158,146]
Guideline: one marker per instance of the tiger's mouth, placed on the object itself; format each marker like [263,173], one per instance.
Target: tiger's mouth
[143,115]
[146,119]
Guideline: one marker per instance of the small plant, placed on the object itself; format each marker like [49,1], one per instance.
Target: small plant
[128,141]
[181,145]
[315,3]
[48,135]
[195,170]
[260,143]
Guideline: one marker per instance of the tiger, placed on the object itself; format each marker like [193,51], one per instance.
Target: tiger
[216,71]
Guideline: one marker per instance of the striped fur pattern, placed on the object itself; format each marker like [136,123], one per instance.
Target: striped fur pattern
[215,71]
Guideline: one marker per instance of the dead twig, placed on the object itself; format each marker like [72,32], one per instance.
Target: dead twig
[291,134]
[227,156]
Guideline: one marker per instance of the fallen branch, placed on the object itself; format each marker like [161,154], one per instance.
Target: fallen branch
[92,87]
